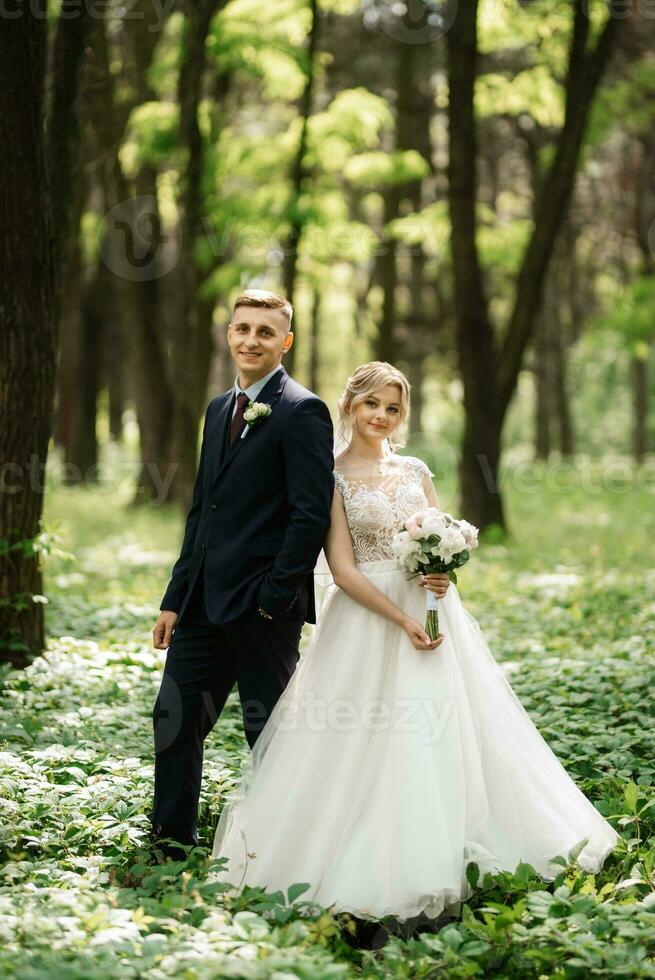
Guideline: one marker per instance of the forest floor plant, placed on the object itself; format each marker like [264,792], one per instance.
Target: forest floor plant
[567,609]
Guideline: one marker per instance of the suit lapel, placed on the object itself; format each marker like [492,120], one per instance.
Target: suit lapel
[270,393]
[219,433]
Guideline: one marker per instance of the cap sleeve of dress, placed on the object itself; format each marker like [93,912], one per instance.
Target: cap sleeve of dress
[423,475]
[421,469]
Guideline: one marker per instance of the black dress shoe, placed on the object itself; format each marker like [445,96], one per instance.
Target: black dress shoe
[424,923]
[369,934]
[169,846]
[171,853]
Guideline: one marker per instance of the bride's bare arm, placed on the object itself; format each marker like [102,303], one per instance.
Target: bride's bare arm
[339,553]
[430,492]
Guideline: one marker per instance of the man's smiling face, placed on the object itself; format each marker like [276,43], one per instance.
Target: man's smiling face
[258,337]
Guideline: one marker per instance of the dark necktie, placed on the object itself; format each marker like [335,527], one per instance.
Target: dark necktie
[237,424]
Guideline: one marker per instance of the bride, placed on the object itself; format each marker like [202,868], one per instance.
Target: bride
[390,762]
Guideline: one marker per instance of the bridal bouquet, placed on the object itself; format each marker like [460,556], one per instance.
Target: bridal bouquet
[432,541]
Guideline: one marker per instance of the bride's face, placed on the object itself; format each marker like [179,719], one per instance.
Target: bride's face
[376,417]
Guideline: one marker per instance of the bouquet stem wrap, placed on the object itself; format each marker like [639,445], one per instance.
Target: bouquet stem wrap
[432,619]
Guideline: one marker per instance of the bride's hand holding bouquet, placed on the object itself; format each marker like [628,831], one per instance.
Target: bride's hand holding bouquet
[433,542]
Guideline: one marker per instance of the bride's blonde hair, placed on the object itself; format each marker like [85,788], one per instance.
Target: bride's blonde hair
[366,380]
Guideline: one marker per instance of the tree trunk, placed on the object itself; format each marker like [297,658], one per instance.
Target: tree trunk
[585,70]
[388,279]
[141,304]
[78,365]
[134,251]
[639,375]
[314,340]
[68,200]
[489,373]
[114,353]
[479,468]
[644,214]
[415,376]
[132,237]
[27,330]
[291,244]
[552,416]
[192,336]
[63,126]
[66,406]
[402,332]
[478,357]
[542,390]
[563,408]
[418,336]
[96,305]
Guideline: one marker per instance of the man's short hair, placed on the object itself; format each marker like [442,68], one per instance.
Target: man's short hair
[265,298]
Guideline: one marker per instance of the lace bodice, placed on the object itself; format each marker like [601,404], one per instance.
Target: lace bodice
[376,511]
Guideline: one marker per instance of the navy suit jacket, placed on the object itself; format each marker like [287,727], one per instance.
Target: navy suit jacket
[260,509]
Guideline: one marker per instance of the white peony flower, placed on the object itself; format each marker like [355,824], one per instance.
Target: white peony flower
[433,525]
[399,542]
[453,540]
[470,533]
[406,550]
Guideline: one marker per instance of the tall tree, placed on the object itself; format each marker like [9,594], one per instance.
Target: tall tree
[131,246]
[644,218]
[551,338]
[62,114]
[192,339]
[291,243]
[490,368]
[31,254]
[412,133]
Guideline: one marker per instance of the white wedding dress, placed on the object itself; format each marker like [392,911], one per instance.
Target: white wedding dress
[383,770]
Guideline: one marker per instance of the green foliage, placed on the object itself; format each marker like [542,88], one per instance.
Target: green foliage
[627,100]
[245,40]
[534,91]
[545,26]
[152,135]
[348,241]
[41,545]
[384,169]
[502,244]
[429,227]
[355,120]
[631,316]
[543,30]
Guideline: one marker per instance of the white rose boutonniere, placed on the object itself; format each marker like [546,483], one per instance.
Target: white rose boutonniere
[256,413]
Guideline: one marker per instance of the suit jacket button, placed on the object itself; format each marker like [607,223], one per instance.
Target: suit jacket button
[213,506]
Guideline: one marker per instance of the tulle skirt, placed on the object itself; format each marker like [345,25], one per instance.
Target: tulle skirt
[384,770]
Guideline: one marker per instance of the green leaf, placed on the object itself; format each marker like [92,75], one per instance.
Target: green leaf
[630,795]
[472,873]
[294,891]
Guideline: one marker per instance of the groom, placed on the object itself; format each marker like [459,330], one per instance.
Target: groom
[243,585]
